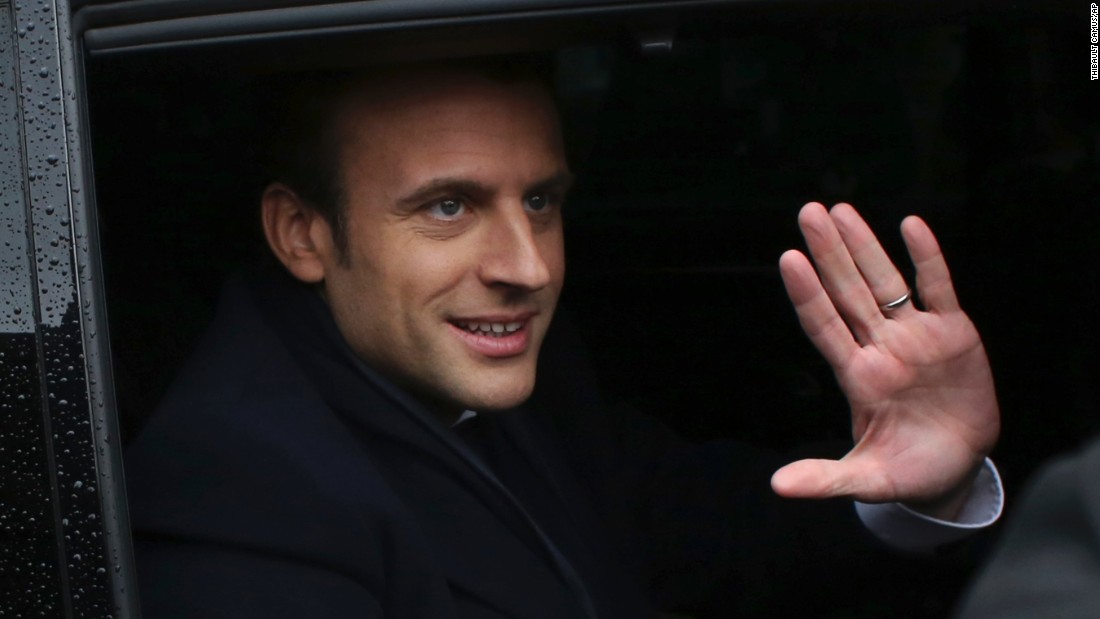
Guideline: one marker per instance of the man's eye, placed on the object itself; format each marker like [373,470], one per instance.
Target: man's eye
[538,203]
[447,209]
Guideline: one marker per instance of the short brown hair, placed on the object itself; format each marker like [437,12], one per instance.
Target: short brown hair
[304,148]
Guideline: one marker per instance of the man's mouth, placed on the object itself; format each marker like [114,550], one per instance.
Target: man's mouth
[492,329]
[494,336]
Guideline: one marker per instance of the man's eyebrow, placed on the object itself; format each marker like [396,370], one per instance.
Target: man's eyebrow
[445,184]
[561,182]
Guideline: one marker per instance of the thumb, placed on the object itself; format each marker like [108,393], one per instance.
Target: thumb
[817,479]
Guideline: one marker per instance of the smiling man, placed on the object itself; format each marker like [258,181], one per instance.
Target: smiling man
[356,435]
[453,216]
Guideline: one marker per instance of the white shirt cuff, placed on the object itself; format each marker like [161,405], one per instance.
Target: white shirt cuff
[910,531]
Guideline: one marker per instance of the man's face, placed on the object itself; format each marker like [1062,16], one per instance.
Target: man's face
[453,187]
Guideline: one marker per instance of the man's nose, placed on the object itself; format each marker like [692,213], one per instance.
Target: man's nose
[513,255]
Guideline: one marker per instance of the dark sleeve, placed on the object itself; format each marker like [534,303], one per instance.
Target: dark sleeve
[716,541]
[190,580]
[1048,562]
[711,538]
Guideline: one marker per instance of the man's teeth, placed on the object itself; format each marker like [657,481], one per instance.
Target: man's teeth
[496,329]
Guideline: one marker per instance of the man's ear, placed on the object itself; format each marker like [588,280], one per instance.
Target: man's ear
[298,235]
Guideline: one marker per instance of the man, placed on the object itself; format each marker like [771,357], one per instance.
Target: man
[356,439]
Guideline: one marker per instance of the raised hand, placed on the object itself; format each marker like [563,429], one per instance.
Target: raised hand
[924,410]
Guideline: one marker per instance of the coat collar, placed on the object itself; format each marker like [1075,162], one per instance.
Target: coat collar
[449,486]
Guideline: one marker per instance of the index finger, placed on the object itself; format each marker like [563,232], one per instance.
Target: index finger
[841,278]
[816,312]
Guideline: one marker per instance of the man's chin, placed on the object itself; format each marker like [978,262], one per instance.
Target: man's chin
[495,391]
[497,397]
[497,402]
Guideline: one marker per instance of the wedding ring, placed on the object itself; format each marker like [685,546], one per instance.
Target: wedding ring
[898,302]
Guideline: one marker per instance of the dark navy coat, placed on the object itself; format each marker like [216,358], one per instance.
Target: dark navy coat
[283,478]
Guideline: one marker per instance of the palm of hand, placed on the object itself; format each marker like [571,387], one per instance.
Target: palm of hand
[924,410]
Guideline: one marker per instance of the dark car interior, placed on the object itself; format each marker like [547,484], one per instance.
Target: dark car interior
[695,142]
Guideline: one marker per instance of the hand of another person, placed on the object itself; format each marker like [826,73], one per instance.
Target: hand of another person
[924,410]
